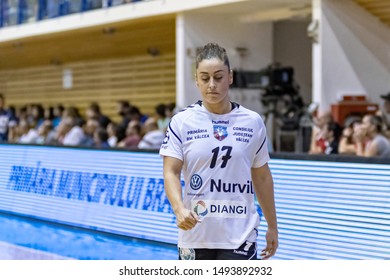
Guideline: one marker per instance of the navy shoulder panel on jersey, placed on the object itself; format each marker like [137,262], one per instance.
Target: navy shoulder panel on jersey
[183,114]
[235,105]
[198,103]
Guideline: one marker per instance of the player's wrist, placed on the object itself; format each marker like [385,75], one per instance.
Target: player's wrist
[178,208]
[273,228]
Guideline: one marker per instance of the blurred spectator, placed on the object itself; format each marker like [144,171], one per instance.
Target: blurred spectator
[133,136]
[332,138]
[369,138]
[69,133]
[58,112]
[38,115]
[29,109]
[63,128]
[170,110]
[347,143]
[22,113]
[135,114]
[100,137]
[153,136]
[384,113]
[115,134]
[7,120]
[89,129]
[112,134]
[48,113]
[74,113]
[123,109]
[120,133]
[162,119]
[318,145]
[12,111]
[94,112]
[46,134]
[28,133]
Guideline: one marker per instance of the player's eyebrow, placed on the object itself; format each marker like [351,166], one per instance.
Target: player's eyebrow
[214,72]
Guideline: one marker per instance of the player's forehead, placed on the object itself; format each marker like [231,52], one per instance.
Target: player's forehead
[212,66]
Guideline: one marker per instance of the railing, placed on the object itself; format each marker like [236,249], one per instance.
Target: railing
[15,12]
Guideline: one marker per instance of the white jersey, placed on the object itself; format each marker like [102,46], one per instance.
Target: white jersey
[218,152]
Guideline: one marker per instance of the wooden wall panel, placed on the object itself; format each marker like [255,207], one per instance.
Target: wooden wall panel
[145,81]
[128,38]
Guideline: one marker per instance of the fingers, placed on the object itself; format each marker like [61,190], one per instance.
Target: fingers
[266,253]
[271,238]
[188,221]
[269,250]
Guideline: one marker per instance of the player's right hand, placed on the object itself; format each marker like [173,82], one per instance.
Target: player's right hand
[186,219]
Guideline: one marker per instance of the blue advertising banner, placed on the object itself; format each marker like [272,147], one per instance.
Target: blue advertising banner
[118,192]
[326,210]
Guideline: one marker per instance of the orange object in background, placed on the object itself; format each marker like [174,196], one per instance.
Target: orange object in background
[352,105]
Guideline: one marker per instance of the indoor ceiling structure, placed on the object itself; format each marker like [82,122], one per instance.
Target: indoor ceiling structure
[133,37]
[378,8]
[149,35]
[264,10]
[136,37]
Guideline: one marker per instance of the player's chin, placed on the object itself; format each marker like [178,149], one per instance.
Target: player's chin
[213,98]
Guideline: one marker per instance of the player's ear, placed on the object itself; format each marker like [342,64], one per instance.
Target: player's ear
[230,77]
[196,80]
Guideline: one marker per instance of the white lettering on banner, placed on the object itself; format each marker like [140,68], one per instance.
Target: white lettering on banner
[143,193]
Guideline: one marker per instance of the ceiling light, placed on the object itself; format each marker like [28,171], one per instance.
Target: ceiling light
[108,30]
[153,51]
[17,45]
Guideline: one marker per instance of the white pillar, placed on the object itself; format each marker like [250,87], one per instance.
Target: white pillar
[180,62]
[317,52]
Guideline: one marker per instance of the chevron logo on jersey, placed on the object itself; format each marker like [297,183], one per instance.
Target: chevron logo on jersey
[220,132]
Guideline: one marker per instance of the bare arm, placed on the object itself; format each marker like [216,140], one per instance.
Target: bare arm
[12,134]
[345,147]
[345,144]
[314,149]
[360,136]
[264,188]
[185,218]
[372,150]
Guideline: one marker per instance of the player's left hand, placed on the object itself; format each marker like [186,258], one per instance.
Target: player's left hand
[271,238]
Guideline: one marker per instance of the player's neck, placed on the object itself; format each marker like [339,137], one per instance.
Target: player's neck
[219,109]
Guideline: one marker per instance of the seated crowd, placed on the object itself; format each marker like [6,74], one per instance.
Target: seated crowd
[367,135]
[64,126]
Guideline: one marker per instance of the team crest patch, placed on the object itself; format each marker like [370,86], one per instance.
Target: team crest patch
[220,132]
